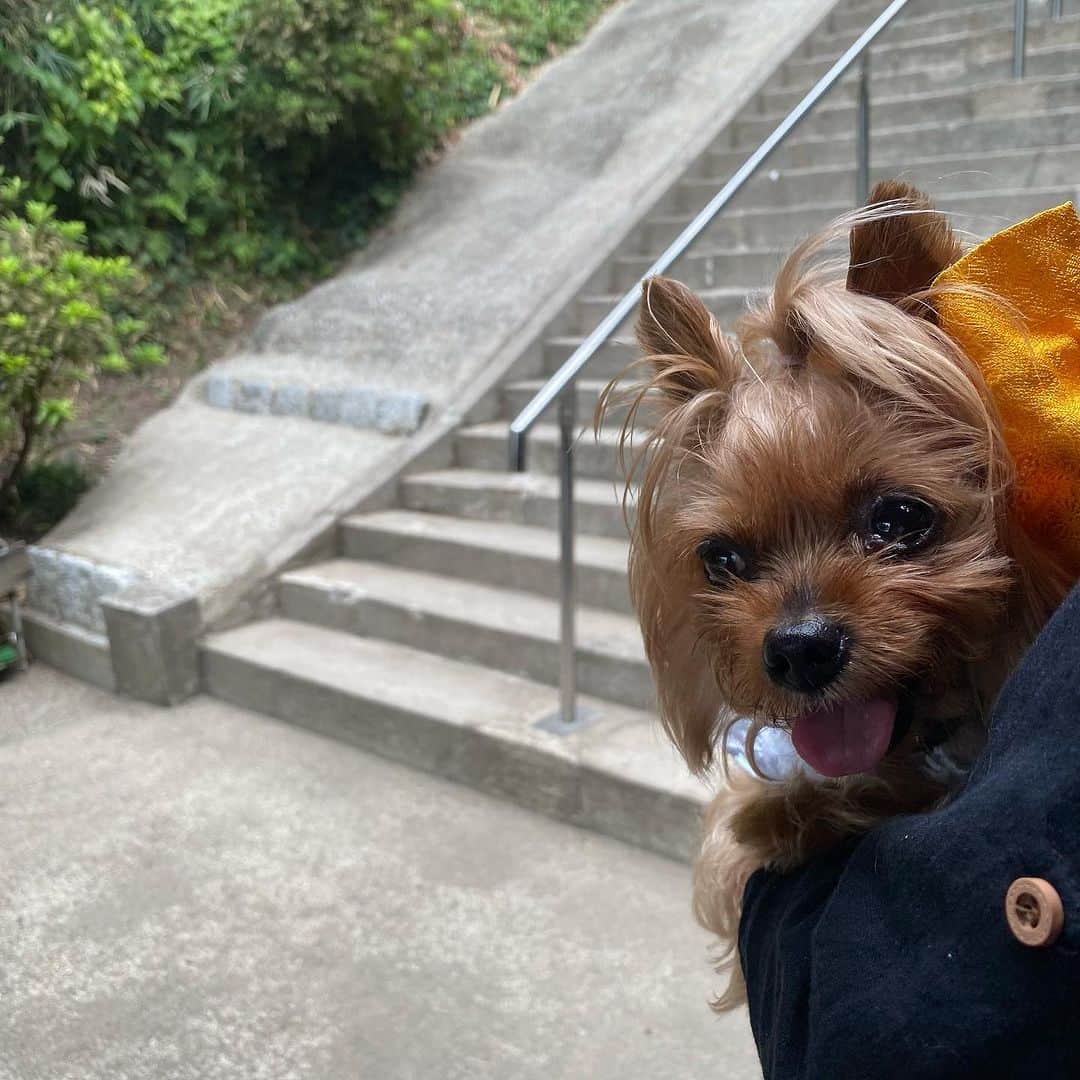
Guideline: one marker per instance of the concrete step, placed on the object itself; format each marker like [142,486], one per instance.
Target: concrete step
[961,50]
[472,725]
[981,100]
[483,446]
[839,117]
[516,395]
[526,498]
[708,269]
[496,553]
[945,21]
[611,359]
[503,629]
[856,17]
[978,213]
[896,146]
[1055,56]
[1051,166]
[780,98]
[727,302]
[1049,127]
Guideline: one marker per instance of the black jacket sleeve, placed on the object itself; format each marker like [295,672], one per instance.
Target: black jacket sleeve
[892,956]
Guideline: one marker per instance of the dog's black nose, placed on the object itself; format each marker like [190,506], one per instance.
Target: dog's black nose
[805,656]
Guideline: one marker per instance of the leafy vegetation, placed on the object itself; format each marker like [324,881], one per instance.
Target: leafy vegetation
[46,491]
[228,150]
[61,323]
[534,29]
[187,130]
[184,130]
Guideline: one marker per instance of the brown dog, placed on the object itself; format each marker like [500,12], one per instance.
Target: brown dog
[822,541]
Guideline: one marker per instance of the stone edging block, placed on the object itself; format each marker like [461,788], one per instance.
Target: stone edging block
[149,630]
[361,407]
[69,589]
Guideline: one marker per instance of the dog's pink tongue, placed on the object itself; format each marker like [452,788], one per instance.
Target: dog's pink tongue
[837,740]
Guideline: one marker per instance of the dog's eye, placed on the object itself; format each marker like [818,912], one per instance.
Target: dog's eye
[724,561]
[901,523]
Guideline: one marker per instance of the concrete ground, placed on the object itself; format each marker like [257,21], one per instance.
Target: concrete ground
[205,893]
[486,249]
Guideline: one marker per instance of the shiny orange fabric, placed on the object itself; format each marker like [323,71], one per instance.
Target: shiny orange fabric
[1030,358]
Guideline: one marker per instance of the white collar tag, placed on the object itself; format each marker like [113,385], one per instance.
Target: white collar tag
[777,759]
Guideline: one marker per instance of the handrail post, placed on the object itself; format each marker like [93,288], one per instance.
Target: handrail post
[862,133]
[1019,39]
[567,567]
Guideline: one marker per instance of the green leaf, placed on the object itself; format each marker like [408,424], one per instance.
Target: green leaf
[55,135]
[79,311]
[128,326]
[62,178]
[12,119]
[184,141]
[54,412]
[114,363]
[158,247]
[168,204]
[38,213]
[146,354]
[45,160]
[13,363]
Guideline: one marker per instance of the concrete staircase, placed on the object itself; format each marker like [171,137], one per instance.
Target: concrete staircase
[432,637]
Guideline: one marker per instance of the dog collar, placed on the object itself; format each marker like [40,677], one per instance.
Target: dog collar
[1031,364]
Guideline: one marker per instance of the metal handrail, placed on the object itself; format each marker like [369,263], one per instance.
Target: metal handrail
[1019,38]
[561,387]
[1020,32]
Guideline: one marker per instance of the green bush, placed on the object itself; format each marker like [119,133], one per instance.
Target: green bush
[214,143]
[212,130]
[61,322]
[247,135]
[45,493]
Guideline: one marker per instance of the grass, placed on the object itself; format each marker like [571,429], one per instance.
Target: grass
[533,29]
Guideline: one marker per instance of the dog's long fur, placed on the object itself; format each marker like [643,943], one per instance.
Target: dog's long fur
[836,385]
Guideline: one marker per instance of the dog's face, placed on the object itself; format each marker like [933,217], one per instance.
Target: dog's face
[821,539]
[840,565]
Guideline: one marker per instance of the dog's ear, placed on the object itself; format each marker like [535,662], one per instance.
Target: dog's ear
[681,338]
[898,252]
[690,704]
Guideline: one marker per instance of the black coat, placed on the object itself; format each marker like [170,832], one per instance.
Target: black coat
[892,956]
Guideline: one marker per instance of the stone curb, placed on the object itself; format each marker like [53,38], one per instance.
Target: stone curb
[361,407]
[69,589]
[112,626]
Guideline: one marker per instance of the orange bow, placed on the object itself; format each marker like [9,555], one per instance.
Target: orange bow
[1031,368]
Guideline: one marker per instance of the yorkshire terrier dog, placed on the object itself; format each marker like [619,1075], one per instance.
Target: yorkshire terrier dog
[822,541]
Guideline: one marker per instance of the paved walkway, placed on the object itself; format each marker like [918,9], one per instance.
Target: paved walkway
[205,894]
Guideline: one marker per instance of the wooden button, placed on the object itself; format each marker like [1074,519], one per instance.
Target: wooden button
[1034,912]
